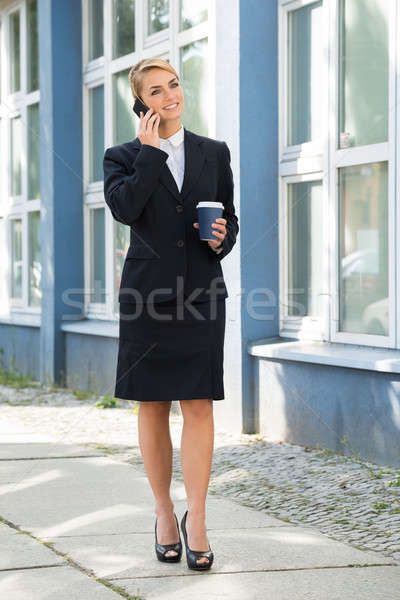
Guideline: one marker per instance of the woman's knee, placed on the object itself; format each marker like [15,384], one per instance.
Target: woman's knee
[197,408]
[156,408]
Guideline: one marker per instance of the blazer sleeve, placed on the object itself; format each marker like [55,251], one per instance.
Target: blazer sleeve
[126,195]
[225,195]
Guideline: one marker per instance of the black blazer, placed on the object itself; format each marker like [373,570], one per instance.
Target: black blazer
[165,255]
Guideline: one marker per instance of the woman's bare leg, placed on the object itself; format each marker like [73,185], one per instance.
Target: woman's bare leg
[156,449]
[197,444]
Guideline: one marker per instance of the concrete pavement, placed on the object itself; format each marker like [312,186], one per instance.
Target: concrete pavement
[78,524]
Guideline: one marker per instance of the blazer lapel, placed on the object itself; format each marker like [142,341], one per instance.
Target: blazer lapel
[194,161]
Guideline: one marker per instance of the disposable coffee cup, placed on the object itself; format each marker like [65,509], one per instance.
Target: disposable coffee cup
[207,213]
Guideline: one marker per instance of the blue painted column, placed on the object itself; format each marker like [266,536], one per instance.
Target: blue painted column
[60,71]
[258,185]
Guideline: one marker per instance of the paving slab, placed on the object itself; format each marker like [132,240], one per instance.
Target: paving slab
[6,530]
[235,550]
[65,496]
[100,511]
[371,583]
[32,445]
[104,496]
[60,583]
[20,551]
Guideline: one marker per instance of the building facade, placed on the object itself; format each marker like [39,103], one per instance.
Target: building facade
[304,94]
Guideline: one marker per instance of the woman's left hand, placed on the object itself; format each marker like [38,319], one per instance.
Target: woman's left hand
[220,232]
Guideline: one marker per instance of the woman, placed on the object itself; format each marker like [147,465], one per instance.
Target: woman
[171,340]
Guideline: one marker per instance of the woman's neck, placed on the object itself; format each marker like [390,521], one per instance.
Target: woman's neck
[167,129]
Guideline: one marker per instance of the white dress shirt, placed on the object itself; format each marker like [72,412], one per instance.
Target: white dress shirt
[175,148]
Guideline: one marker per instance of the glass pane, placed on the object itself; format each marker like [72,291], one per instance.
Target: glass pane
[33,152]
[32,50]
[305,249]
[192,13]
[121,245]
[123,27]
[305,67]
[2,140]
[124,123]
[16,258]
[158,15]
[194,70]
[98,255]
[1,65]
[363,249]
[15,74]
[364,72]
[96,47]
[35,267]
[96,132]
[15,152]
[4,257]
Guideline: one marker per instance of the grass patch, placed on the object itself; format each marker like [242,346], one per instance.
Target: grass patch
[107,402]
[18,381]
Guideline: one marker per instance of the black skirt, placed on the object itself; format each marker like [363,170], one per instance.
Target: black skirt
[174,353]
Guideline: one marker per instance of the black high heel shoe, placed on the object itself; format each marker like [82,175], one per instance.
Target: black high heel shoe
[161,549]
[193,555]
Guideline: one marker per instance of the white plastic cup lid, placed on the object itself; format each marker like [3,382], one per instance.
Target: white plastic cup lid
[210,205]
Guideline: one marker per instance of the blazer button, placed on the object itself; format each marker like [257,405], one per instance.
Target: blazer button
[179,208]
[180,243]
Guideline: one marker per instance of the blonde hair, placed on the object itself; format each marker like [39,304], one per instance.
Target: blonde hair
[137,71]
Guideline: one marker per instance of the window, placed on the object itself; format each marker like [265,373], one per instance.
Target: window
[19,142]
[192,13]
[32,55]
[304,216]
[96,132]
[33,152]
[123,35]
[98,251]
[157,15]
[16,258]
[16,155]
[119,33]
[35,267]
[95,33]
[14,20]
[337,219]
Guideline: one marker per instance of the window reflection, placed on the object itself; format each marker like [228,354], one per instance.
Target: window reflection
[363,72]
[33,49]
[194,69]
[35,267]
[33,152]
[305,248]
[363,249]
[124,124]
[15,66]
[121,245]
[96,45]
[192,13]
[16,258]
[97,247]
[16,154]
[123,27]
[305,56]
[96,132]
[158,15]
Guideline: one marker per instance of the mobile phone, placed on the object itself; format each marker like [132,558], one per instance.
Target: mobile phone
[140,106]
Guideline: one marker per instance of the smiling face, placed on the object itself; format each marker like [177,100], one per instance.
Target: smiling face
[169,91]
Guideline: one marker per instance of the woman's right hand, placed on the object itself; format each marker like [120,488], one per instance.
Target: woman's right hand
[148,128]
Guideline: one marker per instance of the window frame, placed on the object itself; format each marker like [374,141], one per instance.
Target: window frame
[322,160]
[299,162]
[362,155]
[16,207]
[165,44]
